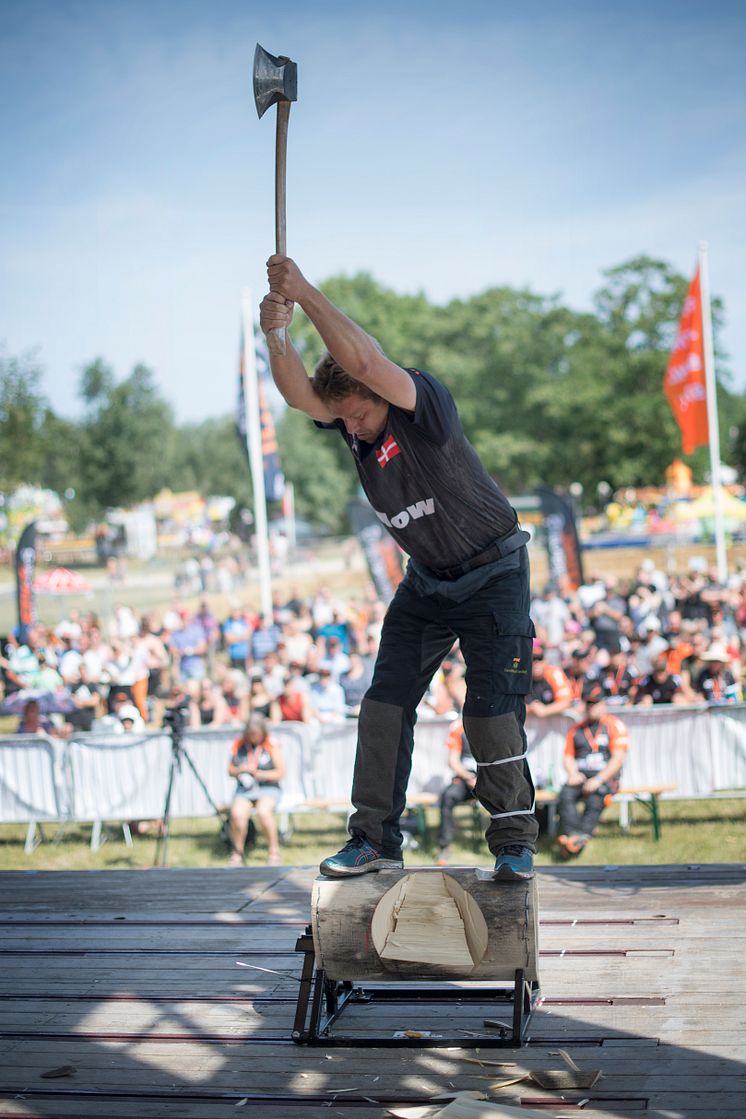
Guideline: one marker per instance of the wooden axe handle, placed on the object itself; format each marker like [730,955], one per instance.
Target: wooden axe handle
[276,339]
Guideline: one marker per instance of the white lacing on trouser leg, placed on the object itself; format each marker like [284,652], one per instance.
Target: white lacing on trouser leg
[520,811]
[503,761]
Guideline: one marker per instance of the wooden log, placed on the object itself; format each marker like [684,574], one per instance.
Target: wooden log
[425,924]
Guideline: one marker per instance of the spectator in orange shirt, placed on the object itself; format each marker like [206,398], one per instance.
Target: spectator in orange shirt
[551,691]
[594,754]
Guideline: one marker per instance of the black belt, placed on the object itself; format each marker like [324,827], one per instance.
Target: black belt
[502,547]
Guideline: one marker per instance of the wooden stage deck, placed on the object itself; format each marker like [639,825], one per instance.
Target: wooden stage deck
[131,982]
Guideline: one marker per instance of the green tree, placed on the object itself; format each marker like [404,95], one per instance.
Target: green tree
[22,411]
[207,456]
[127,437]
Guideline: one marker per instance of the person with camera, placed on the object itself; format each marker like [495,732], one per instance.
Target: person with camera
[256,763]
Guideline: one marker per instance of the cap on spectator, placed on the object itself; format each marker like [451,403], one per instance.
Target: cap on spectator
[716,652]
[128,713]
[593,692]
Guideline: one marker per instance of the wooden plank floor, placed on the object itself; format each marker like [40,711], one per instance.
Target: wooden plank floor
[172,993]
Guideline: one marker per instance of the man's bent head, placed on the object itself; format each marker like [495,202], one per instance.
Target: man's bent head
[363,411]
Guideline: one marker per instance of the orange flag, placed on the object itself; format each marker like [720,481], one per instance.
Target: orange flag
[684,382]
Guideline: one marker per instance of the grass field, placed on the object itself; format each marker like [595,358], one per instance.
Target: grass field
[692,832]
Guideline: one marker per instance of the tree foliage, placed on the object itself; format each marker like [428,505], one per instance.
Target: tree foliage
[126,437]
[22,412]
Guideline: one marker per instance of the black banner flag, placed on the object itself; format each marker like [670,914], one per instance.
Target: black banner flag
[562,540]
[25,568]
[382,554]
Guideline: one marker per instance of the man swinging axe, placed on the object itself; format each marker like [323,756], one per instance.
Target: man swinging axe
[467,578]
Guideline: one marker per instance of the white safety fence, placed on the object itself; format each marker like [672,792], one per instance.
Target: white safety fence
[94,778]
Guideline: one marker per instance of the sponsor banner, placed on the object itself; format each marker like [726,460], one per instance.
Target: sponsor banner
[684,382]
[563,543]
[25,568]
[382,554]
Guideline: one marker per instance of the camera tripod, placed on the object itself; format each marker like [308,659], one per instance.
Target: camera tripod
[174,720]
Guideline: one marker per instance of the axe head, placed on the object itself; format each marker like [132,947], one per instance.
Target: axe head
[275,79]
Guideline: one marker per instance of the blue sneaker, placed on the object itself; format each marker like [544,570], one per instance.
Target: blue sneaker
[358,856]
[513,864]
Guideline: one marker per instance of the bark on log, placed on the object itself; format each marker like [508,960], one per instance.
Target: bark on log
[425,924]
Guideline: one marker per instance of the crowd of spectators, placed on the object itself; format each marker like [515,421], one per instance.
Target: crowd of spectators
[653,639]
[310,661]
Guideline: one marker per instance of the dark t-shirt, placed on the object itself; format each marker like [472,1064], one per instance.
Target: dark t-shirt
[660,691]
[426,483]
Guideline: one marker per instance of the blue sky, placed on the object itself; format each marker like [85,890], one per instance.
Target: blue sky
[444,147]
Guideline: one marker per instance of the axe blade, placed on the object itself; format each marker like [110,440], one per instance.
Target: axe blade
[275,79]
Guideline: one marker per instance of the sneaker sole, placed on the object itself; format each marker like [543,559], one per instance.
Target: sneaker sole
[506,873]
[366,868]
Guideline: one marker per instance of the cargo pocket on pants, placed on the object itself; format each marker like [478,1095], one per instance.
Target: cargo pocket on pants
[513,651]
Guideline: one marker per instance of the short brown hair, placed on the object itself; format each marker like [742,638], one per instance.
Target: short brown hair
[331,382]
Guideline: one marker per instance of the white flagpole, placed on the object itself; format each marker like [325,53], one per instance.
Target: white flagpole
[254,440]
[289,511]
[712,414]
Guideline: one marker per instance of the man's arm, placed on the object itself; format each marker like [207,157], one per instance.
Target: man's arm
[350,346]
[288,371]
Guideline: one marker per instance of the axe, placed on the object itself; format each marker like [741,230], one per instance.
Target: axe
[276,80]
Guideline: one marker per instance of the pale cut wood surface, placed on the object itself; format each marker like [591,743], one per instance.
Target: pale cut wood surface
[132,980]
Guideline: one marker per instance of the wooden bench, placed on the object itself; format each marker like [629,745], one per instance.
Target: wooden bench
[646,795]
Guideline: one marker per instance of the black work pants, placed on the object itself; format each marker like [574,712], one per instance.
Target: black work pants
[494,630]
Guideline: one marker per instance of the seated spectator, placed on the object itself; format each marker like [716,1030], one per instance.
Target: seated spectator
[716,683]
[354,683]
[234,690]
[273,674]
[337,628]
[692,666]
[85,699]
[33,722]
[594,755]
[130,719]
[464,768]
[651,645]
[259,698]
[617,677]
[334,658]
[119,672]
[207,708]
[236,631]
[659,686]
[189,647]
[293,704]
[551,691]
[256,763]
[327,699]
[46,678]
[297,641]
[264,639]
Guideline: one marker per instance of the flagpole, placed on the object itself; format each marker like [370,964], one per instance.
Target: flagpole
[254,441]
[712,414]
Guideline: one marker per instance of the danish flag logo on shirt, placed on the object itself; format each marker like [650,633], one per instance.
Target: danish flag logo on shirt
[389,449]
